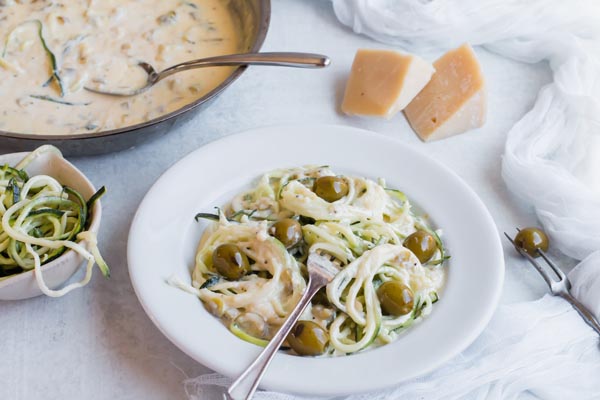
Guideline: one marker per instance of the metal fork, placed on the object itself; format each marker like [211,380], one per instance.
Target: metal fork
[560,287]
[321,270]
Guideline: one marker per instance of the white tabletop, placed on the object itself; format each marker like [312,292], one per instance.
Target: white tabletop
[97,343]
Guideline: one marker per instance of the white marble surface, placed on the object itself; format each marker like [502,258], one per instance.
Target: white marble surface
[97,343]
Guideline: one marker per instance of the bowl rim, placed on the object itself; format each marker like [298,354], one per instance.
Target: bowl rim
[96,216]
[264,21]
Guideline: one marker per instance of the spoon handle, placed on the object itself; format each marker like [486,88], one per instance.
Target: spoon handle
[244,387]
[282,59]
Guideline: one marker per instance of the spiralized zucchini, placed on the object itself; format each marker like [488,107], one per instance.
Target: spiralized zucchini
[41,219]
[271,292]
[364,230]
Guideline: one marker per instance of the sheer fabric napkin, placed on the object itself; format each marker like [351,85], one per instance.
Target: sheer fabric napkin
[540,349]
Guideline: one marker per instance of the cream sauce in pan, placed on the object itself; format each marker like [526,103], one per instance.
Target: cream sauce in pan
[98,43]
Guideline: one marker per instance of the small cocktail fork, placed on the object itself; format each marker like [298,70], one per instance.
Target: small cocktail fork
[558,287]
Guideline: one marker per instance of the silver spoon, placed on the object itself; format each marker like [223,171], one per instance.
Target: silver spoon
[280,59]
[321,270]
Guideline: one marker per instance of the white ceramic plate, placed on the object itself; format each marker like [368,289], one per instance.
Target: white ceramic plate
[164,237]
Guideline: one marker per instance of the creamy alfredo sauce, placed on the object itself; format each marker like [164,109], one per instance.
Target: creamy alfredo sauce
[98,43]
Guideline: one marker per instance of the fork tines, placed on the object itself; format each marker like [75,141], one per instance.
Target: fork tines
[560,287]
[562,278]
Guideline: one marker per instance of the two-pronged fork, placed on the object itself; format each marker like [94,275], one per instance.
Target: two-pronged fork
[560,287]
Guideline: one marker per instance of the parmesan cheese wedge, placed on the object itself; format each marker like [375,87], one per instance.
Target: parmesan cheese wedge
[383,82]
[454,101]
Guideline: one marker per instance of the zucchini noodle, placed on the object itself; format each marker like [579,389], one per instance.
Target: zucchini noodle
[40,220]
[272,292]
[364,230]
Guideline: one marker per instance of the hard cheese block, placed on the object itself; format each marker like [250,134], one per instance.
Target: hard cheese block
[454,100]
[383,82]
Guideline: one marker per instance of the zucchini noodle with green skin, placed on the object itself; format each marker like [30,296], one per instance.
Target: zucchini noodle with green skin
[40,220]
[271,293]
[391,263]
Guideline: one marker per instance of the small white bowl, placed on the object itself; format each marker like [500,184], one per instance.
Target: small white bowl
[57,272]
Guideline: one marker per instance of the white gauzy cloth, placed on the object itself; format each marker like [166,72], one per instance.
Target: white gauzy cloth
[585,280]
[539,349]
[552,155]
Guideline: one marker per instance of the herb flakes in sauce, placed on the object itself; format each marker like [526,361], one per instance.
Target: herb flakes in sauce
[58,101]
[78,43]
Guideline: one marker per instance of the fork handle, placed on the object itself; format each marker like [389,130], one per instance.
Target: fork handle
[280,59]
[245,385]
[587,316]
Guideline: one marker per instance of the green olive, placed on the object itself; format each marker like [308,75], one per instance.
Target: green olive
[395,298]
[531,239]
[288,231]
[230,262]
[330,188]
[307,338]
[422,244]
